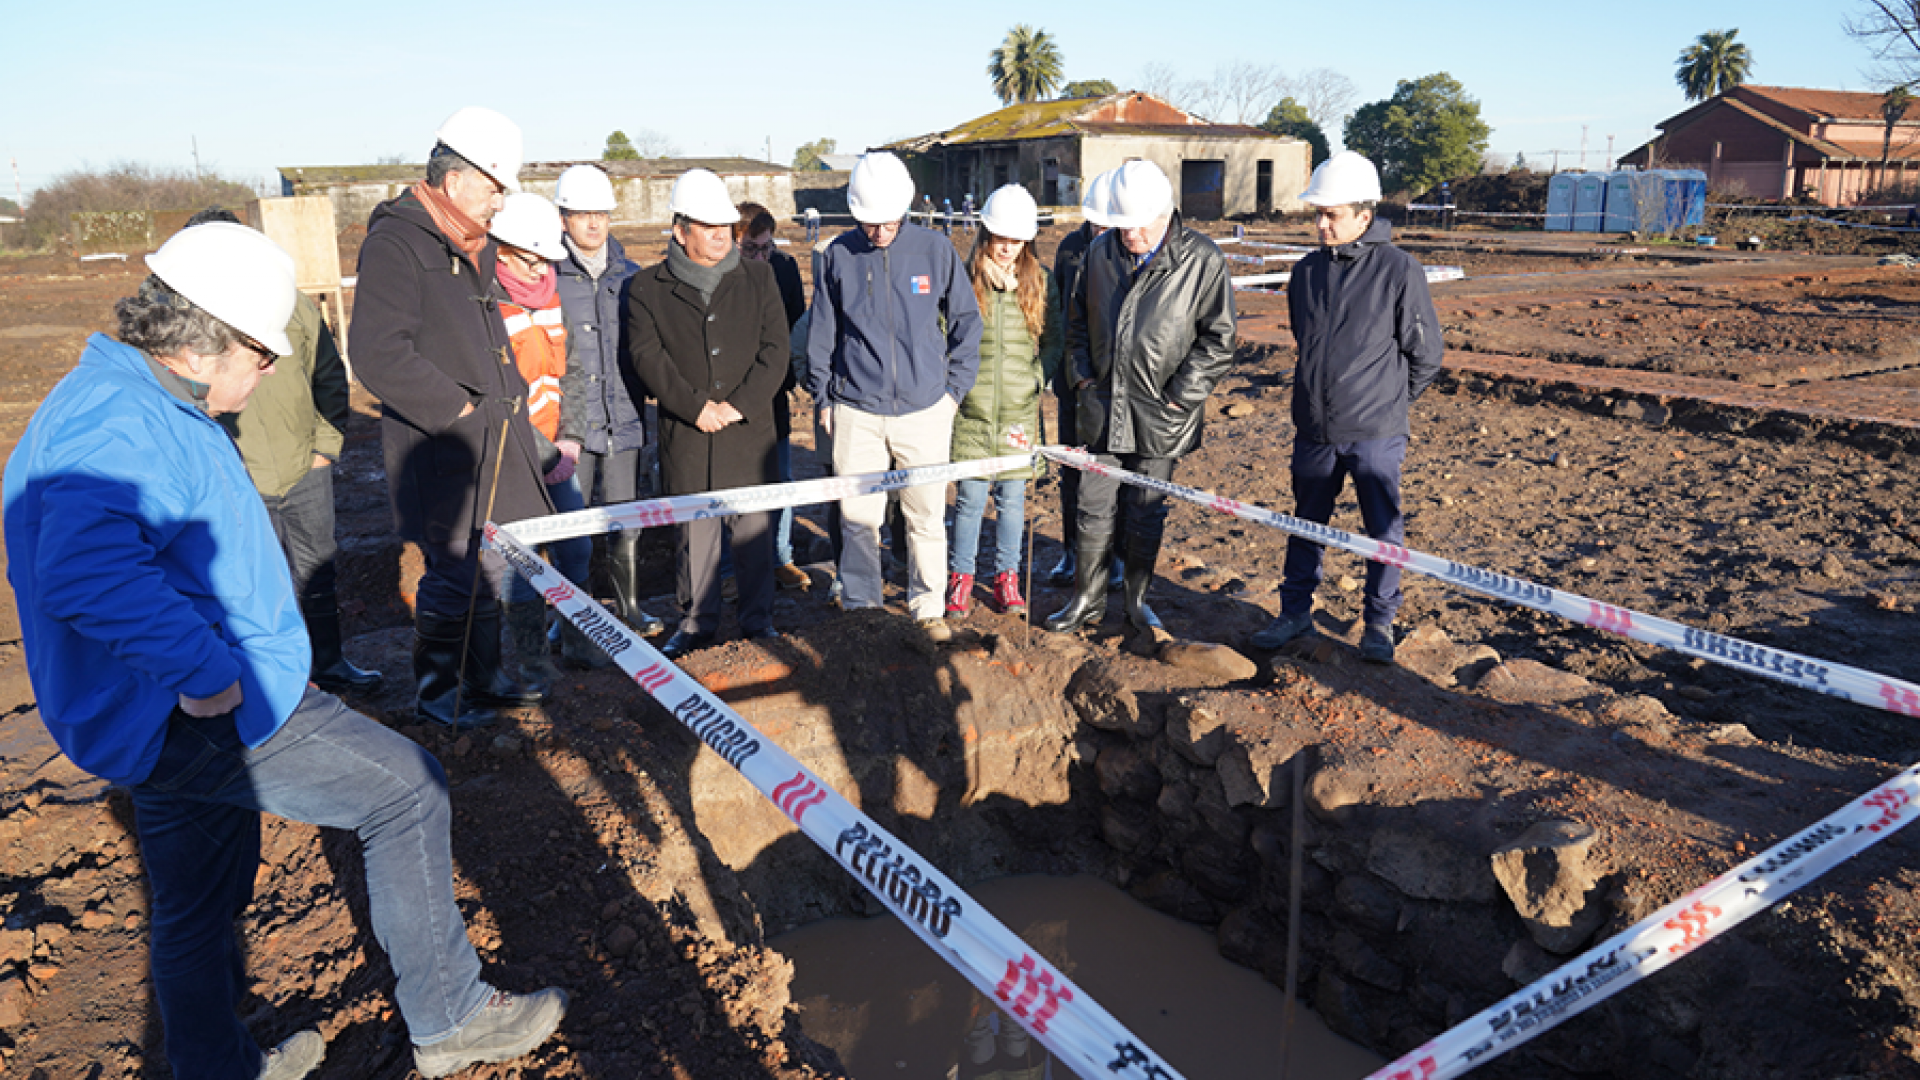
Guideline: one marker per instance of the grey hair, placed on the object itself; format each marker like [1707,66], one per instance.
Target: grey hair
[161,322]
[443,160]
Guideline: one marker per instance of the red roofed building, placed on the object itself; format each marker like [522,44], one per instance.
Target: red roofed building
[1776,142]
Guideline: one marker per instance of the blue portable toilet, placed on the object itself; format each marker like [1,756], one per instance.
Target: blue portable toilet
[1686,191]
[1560,190]
[1626,201]
[1590,202]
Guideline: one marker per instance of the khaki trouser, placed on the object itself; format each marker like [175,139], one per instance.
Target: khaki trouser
[863,443]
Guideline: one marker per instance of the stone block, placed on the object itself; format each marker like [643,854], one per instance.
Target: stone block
[1101,699]
[1545,875]
[1429,867]
[1530,682]
[1254,769]
[1196,733]
[1208,659]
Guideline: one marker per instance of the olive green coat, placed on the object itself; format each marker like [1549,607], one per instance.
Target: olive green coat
[1006,393]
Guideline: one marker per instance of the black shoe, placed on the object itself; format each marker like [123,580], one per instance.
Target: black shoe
[623,568]
[1376,644]
[682,642]
[765,633]
[332,671]
[1061,576]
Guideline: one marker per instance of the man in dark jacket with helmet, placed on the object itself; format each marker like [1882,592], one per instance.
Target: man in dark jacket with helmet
[1150,330]
[1369,344]
[428,340]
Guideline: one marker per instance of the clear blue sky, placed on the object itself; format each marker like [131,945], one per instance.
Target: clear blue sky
[266,85]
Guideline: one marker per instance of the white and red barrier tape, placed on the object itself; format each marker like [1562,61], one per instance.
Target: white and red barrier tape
[1059,1014]
[672,510]
[1837,680]
[1667,935]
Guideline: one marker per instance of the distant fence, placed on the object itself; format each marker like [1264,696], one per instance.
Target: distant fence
[121,232]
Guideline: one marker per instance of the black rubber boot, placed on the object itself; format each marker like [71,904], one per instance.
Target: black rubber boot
[436,675]
[331,670]
[488,681]
[1089,603]
[623,568]
[1142,554]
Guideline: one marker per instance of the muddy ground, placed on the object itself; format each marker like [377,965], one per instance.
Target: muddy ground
[572,828]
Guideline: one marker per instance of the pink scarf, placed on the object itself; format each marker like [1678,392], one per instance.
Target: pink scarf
[532,295]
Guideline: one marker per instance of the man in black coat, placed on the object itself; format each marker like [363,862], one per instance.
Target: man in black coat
[754,233]
[1369,344]
[707,333]
[428,340]
[1150,330]
[1067,261]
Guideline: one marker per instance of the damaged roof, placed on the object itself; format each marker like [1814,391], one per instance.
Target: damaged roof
[1129,112]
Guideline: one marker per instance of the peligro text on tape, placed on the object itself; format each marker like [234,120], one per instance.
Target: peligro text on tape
[1838,680]
[1070,1024]
[674,509]
[1667,935]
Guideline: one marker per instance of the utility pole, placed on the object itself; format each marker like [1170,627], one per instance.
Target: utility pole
[19,200]
[1556,163]
[196,158]
[1609,151]
[1583,148]
[769,148]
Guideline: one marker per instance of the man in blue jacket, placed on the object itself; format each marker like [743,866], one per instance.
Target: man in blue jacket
[1369,344]
[893,347]
[168,654]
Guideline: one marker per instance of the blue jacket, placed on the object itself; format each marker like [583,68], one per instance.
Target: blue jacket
[1368,338]
[144,567]
[892,328]
[599,398]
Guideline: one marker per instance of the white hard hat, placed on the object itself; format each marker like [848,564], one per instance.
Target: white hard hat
[1344,178]
[488,139]
[234,274]
[585,188]
[1141,194]
[1095,204]
[880,189]
[530,223]
[700,194]
[1010,213]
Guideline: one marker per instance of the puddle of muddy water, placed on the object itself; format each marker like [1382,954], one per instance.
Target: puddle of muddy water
[890,1008]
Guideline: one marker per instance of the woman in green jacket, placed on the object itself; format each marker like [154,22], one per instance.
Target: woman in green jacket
[1021,343]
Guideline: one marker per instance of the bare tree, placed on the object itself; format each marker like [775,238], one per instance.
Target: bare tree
[1245,91]
[653,144]
[1493,163]
[1327,95]
[1891,30]
[1162,81]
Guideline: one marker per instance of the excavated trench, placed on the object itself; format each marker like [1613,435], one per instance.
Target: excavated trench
[1456,847]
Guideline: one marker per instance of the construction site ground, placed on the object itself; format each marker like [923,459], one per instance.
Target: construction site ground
[1724,439]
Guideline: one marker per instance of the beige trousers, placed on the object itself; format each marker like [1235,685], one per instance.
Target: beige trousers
[865,443]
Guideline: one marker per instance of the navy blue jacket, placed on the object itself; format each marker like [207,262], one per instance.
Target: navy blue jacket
[599,400]
[1368,337]
[892,328]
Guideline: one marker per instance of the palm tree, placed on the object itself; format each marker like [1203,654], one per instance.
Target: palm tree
[1893,108]
[1027,66]
[1713,64]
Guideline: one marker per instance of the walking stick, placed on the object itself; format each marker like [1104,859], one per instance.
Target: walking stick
[473,591]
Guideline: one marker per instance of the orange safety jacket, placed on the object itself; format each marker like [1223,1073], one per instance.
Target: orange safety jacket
[540,349]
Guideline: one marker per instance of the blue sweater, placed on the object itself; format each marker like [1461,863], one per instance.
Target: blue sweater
[892,328]
[144,567]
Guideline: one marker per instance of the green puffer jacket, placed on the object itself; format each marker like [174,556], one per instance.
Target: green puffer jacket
[1006,394]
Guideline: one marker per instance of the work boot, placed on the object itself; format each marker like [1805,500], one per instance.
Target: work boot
[1006,593]
[1376,643]
[1089,603]
[331,670]
[488,681]
[506,1027]
[1282,629]
[623,567]
[1061,575]
[533,658]
[295,1058]
[959,595]
[436,675]
[1142,554]
[577,651]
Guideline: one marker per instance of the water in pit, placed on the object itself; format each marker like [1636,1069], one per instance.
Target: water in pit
[891,1009]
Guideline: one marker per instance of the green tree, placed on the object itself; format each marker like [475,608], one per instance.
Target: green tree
[1713,64]
[809,154]
[1026,67]
[1088,88]
[1428,131]
[619,148]
[1290,118]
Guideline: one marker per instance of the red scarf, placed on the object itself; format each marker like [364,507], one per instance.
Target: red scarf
[532,295]
[465,234]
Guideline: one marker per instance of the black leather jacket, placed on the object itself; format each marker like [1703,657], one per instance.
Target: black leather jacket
[1153,344]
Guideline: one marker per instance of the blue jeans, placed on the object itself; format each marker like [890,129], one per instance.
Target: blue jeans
[198,819]
[573,558]
[970,508]
[303,521]
[1320,470]
[783,528]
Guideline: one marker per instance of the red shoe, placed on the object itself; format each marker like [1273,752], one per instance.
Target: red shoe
[959,595]
[1006,593]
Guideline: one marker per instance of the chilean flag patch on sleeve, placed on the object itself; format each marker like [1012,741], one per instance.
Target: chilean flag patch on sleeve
[922,284]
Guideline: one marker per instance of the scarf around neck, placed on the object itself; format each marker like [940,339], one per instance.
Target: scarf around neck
[596,264]
[465,234]
[1002,278]
[703,279]
[532,295]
